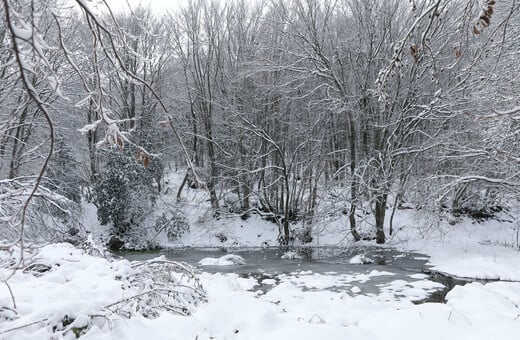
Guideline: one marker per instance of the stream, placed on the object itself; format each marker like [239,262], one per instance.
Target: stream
[392,272]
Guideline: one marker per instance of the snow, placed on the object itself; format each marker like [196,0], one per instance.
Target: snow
[268,281]
[90,127]
[312,280]
[74,289]
[291,255]
[227,230]
[226,260]
[300,305]
[413,291]
[361,259]
[309,305]
[303,305]
[467,249]
[355,289]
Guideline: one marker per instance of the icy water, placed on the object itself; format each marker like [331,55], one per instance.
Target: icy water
[263,264]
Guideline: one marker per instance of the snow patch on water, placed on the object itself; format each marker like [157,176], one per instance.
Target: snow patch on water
[412,291]
[226,260]
[361,259]
[291,255]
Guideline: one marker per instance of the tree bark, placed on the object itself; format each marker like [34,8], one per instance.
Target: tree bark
[380,212]
[354,185]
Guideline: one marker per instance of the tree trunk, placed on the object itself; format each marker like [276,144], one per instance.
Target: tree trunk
[92,140]
[19,142]
[244,190]
[184,181]
[353,183]
[287,210]
[394,208]
[380,212]
[212,181]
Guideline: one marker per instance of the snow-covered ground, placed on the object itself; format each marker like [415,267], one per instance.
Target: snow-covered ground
[486,250]
[73,291]
[289,312]
[78,288]
[64,292]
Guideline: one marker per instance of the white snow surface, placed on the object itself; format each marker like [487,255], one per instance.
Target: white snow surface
[486,250]
[82,285]
[66,289]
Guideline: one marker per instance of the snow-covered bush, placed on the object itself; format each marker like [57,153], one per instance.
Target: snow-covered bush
[159,285]
[79,293]
[54,218]
[304,235]
[124,193]
[480,202]
[92,247]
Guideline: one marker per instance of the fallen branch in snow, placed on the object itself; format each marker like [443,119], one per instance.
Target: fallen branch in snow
[22,326]
[129,290]
[159,284]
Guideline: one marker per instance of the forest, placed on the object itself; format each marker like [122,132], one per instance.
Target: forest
[360,158]
[264,105]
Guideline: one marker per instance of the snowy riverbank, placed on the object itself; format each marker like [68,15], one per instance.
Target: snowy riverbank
[72,293]
[78,289]
[485,250]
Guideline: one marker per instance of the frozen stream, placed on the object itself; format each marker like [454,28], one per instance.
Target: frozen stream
[392,275]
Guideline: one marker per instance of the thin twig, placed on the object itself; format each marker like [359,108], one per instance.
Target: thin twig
[23,326]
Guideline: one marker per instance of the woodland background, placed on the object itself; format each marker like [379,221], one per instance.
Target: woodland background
[264,105]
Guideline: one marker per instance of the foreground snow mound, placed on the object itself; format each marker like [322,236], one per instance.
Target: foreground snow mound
[226,260]
[66,293]
[290,311]
[361,259]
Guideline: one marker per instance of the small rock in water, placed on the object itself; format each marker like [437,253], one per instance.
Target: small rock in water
[291,255]
[355,290]
[361,259]
[268,282]
[226,260]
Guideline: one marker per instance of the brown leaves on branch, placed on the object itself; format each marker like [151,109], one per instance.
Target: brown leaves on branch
[484,19]
[143,158]
[458,52]
[414,51]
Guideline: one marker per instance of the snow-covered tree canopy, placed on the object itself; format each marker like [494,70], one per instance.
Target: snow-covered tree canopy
[267,101]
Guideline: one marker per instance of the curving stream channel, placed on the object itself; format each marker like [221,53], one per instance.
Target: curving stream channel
[392,275]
